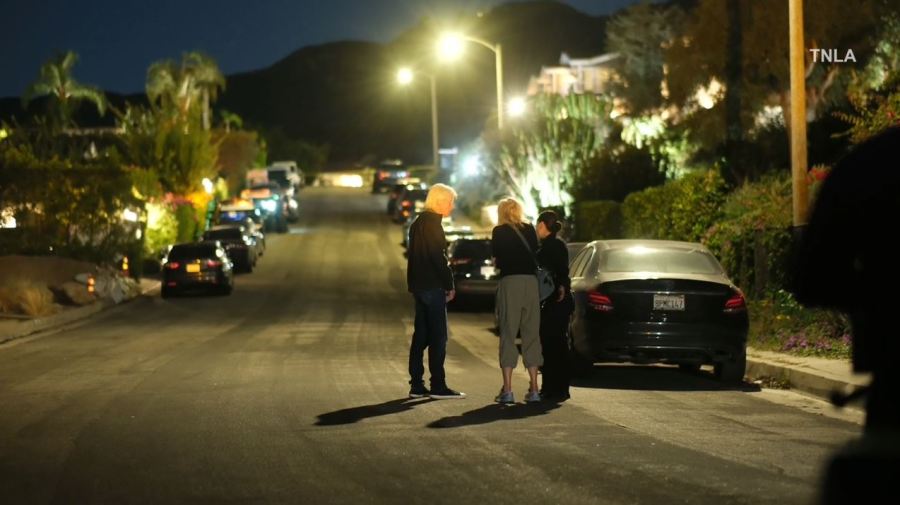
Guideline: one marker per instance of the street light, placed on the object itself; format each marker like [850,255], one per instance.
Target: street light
[405,77]
[450,47]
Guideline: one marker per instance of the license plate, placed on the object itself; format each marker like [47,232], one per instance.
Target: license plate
[487,272]
[193,268]
[668,302]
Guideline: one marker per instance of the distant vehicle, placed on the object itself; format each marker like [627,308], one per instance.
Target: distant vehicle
[286,174]
[398,188]
[653,301]
[198,265]
[388,173]
[446,223]
[242,212]
[272,204]
[238,243]
[473,268]
[410,202]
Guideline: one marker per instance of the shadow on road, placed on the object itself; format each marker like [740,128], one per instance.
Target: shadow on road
[356,414]
[655,378]
[495,412]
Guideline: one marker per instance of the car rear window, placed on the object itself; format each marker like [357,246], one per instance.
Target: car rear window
[477,249]
[192,251]
[646,259]
[230,233]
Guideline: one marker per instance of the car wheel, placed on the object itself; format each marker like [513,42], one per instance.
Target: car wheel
[732,371]
[166,292]
[226,289]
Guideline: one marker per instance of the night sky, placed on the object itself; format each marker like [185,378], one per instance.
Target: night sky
[118,39]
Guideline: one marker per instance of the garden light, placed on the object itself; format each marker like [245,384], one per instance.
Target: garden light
[208,185]
[129,215]
[471,166]
[517,107]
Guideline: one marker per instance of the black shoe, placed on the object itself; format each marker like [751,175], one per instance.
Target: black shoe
[446,394]
[418,391]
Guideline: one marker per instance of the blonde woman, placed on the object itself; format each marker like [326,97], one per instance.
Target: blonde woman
[514,243]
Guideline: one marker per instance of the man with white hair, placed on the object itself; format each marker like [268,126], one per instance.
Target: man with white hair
[429,279]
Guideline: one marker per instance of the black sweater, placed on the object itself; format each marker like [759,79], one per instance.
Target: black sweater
[509,252]
[427,266]
[554,257]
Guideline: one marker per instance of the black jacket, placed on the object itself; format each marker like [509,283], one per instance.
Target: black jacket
[510,254]
[554,257]
[427,266]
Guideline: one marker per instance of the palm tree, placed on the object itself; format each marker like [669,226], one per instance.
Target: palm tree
[56,82]
[180,87]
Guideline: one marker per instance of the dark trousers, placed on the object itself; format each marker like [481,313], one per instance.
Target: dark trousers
[555,345]
[431,333]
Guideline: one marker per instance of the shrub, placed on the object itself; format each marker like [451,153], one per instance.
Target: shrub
[598,220]
[753,238]
[679,210]
[779,323]
[26,297]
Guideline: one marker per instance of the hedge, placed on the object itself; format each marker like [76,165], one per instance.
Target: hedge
[597,220]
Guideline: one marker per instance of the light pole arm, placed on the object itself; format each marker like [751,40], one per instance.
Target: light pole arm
[498,60]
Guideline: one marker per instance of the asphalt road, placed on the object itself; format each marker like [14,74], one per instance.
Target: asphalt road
[293,390]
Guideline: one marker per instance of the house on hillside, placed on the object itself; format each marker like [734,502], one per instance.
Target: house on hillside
[576,76]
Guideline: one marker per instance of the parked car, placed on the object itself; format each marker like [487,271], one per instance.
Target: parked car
[238,242]
[249,218]
[398,188]
[447,223]
[473,267]
[197,265]
[574,248]
[410,202]
[649,301]
[388,173]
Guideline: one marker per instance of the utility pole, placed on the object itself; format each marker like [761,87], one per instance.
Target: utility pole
[798,115]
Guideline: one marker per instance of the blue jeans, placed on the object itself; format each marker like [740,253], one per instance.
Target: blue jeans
[430,332]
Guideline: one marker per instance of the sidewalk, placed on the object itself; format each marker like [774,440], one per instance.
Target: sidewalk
[11,329]
[815,376]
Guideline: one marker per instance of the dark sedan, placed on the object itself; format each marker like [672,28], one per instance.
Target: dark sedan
[238,242]
[473,268]
[398,189]
[198,265]
[648,301]
[409,203]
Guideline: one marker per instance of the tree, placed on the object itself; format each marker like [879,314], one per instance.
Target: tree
[56,82]
[701,55]
[874,93]
[179,88]
[639,35]
[541,156]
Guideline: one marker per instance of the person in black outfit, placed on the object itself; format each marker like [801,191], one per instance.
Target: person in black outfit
[553,256]
[429,279]
[846,261]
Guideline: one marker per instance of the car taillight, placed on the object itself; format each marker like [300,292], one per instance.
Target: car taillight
[173,265]
[382,175]
[213,263]
[599,301]
[406,203]
[460,261]
[736,303]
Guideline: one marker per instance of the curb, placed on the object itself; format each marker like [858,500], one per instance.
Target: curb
[32,326]
[798,379]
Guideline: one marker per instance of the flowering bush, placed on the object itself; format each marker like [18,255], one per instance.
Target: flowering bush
[779,323]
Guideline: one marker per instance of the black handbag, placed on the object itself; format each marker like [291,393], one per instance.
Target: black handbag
[546,285]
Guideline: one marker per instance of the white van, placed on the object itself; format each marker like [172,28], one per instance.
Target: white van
[286,173]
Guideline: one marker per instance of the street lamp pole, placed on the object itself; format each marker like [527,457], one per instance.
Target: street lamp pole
[498,62]
[405,77]
[434,123]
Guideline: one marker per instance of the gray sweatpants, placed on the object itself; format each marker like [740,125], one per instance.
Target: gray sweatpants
[519,311]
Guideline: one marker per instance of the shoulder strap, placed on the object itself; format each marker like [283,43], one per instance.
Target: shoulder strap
[525,242]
